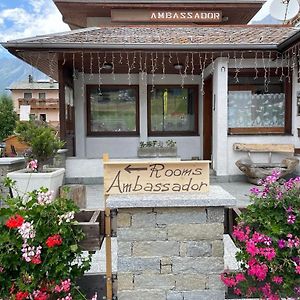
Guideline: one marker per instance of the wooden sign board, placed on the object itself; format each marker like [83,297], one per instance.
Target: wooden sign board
[172,16]
[156,177]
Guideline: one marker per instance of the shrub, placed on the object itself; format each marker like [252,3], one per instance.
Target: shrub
[268,238]
[8,117]
[42,139]
[39,253]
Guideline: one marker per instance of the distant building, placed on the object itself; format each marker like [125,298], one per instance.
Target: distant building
[41,96]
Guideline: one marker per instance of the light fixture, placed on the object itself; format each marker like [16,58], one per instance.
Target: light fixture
[107,66]
[178,66]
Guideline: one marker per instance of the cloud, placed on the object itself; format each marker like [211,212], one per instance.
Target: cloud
[42,18]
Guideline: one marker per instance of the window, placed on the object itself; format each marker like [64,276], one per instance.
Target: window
[27,96]
[112,109]
[173,110]
[42,96]
[32,116]
[258,106]
[43,117]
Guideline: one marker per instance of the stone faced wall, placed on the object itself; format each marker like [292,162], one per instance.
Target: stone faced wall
[170,253]
[8,165]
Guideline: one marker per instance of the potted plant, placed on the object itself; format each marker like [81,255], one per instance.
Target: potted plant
[157,149]
[40,254]
[44,144]
[269,242]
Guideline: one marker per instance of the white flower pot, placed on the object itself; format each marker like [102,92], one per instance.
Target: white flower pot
[27,182]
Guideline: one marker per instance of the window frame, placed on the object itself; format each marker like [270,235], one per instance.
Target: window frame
[287,89]
[42,93]
[91,133]
[27,93]
[195,132]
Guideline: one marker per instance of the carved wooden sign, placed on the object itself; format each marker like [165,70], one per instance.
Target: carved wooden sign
[163,15]
[156,177]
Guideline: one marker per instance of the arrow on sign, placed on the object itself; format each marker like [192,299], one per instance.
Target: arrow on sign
[129,169]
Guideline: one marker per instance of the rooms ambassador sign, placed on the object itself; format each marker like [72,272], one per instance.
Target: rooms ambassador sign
[179,16]
[156,177]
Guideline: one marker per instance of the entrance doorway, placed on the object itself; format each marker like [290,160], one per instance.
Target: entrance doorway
[207,118]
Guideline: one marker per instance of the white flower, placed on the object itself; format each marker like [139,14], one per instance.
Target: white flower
[27,231]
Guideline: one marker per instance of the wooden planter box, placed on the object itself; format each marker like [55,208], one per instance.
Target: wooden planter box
[92,224]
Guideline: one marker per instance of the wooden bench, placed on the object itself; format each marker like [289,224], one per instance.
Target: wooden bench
[257,171]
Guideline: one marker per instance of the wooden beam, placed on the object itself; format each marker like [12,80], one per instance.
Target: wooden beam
[281,148]
[109,288]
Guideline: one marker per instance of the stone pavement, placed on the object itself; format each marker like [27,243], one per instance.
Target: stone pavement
[95,199]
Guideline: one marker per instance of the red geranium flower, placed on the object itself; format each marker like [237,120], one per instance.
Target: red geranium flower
[14,221]
[21,295]
[36,260]
[54,240]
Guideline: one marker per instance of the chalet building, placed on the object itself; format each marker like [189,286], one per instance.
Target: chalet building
[191,71]
[41,97]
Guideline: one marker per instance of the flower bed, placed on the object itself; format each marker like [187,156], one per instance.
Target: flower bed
[268,238]
[40,256]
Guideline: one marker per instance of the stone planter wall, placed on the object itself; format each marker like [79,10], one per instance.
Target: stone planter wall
[172,252]
[9,164]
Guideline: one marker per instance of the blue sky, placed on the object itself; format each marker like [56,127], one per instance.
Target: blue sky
[26,18]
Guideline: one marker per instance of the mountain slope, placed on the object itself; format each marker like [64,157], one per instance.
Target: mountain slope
[13,70]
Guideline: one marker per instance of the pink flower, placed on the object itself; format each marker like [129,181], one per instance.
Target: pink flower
[32,165]
[277,279]
[251,248]
[255,191]
[240,277]
[240,234]
[281,244]
[237,291]
[227,280]
[258,270]
[297,269]
[66,284]
[268,253]
[291,219]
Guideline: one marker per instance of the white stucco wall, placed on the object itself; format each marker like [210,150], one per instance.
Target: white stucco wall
[233,156]
[224,157]
[117,147]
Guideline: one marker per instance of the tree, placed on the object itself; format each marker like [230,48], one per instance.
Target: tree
[8,117]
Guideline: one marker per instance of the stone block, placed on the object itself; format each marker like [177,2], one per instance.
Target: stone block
[125,281]
[218,248]
[142,295]
[136,234]
[166,261]
[76,192]
[183,249]
[156,248]
[124,249]
[214,283]
[165,269]
[138,264]
[154,281]
[215,215]
[197,249]
[196,265]
[195,232]
[144,220]
[123,220]
[190,282]
[204,295]
[174,296]
[188,215]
